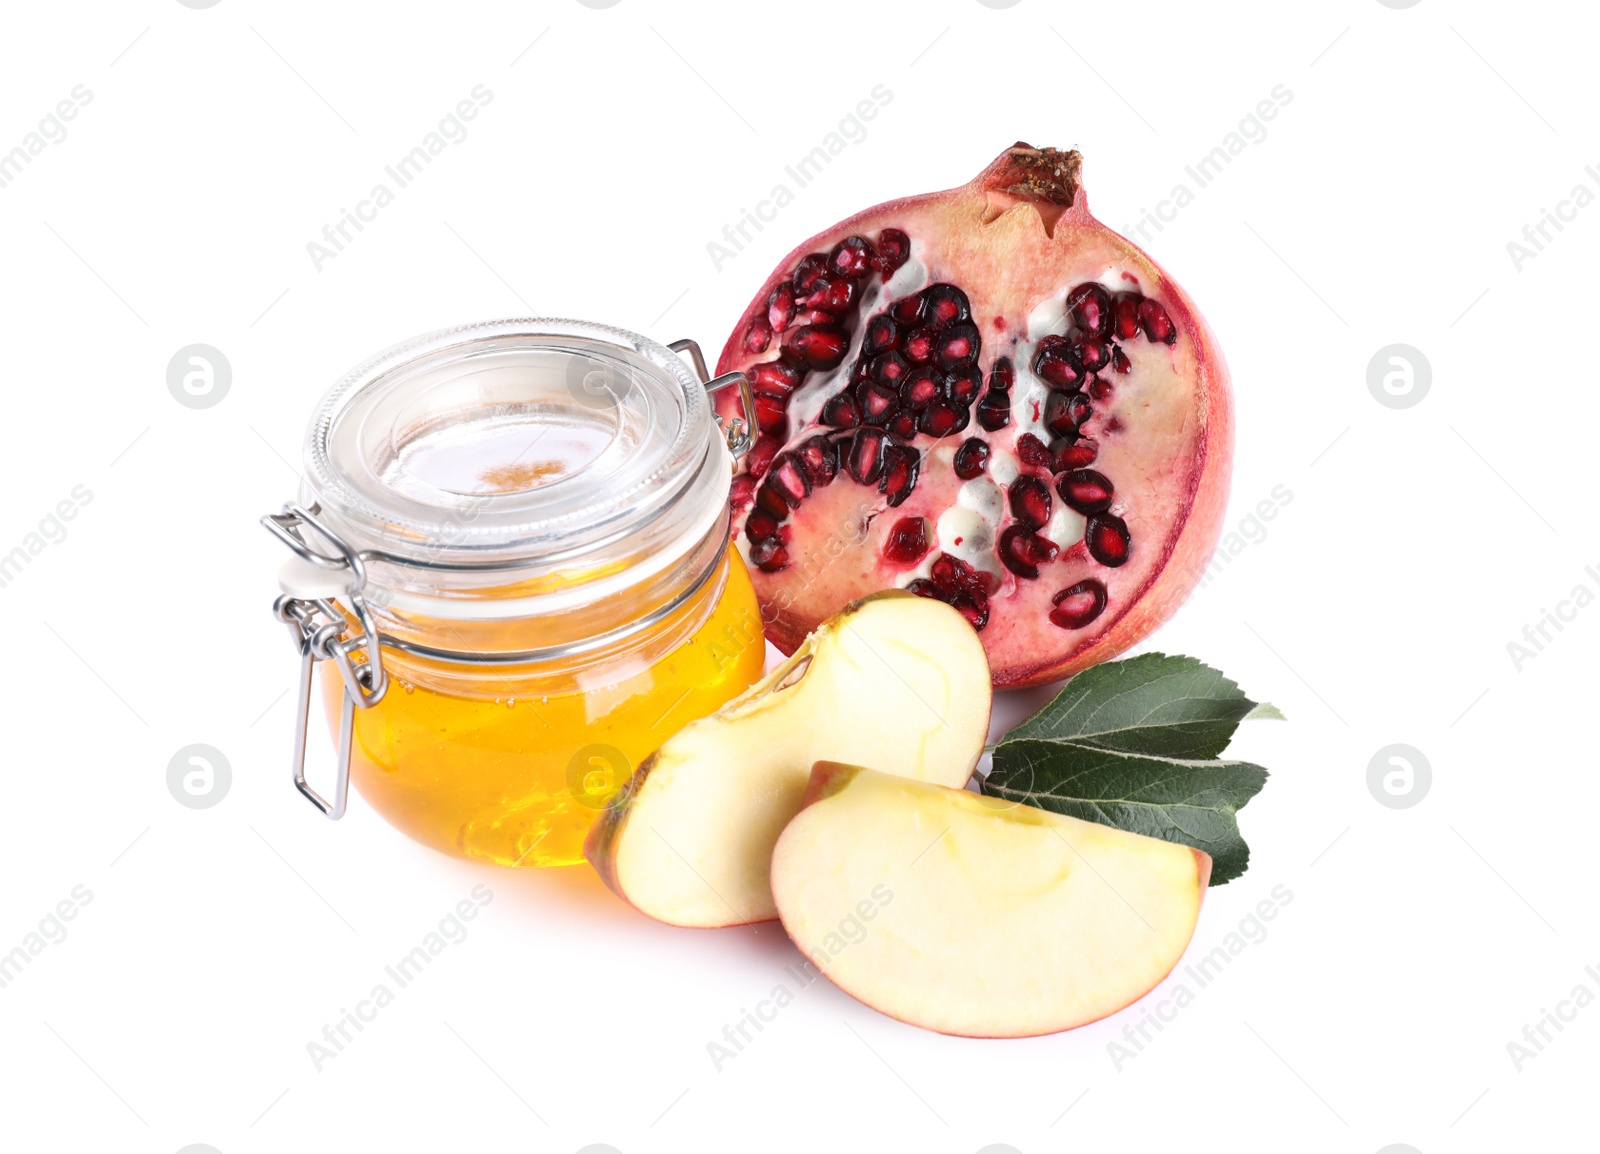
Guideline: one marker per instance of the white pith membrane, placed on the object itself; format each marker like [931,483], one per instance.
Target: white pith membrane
[1148,426]
[987,918]
[689,840]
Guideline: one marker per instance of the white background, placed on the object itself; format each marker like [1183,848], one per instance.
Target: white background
[1377,609]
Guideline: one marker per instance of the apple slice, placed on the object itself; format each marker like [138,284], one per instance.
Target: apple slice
[894,680]
[976,916]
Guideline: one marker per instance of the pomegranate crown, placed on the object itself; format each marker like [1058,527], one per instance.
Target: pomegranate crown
[1036,174]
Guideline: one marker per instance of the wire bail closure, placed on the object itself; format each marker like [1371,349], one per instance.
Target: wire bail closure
[318,610]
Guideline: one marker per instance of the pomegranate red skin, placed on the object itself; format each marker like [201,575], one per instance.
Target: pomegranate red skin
[982,226]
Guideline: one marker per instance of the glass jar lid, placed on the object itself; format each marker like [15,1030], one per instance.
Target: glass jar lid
[515,444]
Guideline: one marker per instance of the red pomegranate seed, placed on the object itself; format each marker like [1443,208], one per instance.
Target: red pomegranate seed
[894,248]
[882,334]
[770,500]
[761,454]
[816,347]
[773,379]
[1157,325]
[1089,354]
[1099,388]
[1030,502]
[852,257]
[1052,363]
[1119,360]
[974,609]
[909,310]
[1031,450]
[771,416]
[954,575]
[791,480]
[831,294]
[1059,414]
[994,410]
[742,491]
[769,555]
[922,587]
[809,270]
[907,541]
[958,346]
[921,389]
[971,458]
[841,412]
[820,458]
[918,346]
[904,425]
[1125,316]
[864,457]
[962,385]
[1090,306]
[1107,538]
[1022,551]
[946,305]
[941,418]
[1085,490]
[1078,605]
[1068,454]
[758,336]
[1002,376]
[760,524]
[878,403]
[901,465]
[780,306]
[888,368]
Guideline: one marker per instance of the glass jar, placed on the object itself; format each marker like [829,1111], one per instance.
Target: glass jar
[512,569]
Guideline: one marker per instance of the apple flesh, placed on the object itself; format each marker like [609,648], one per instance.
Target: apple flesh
[894,680]
[975,916]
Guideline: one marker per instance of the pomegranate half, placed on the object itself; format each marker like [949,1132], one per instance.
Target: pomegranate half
[987,397]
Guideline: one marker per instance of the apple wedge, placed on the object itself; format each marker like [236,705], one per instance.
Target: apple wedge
[975,916]
[894,680]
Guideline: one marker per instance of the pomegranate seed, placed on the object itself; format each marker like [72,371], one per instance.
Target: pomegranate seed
[1077,605]
[832,294]
[1022,551]
[1099,388]
[771,416]
[907,541]
[1090,306]
[954,575]
[1089,354]
[1052,363]
[816,347]
[1031,450]
[894,248]
[758,336]
[1030,502]
[941,418]
[909,310]
[1107,538]
[882,334]
[761,454]
[1156,323]
[1085,490]
[769,555]
[888,368]
[962,385]
[742,491]
[1125,316]
[852,257]
[971,458]
[1068,455]
[820,458]
[974,609]
[1119,360]
[878,403]
[864,458]
[994,410]
[1002,377]
[1079,409]
[946,305]
[901,465]
[1058,414]
[841,412]
[919,346]
[780,307]
[791,480]
[921,389]
[773,379]
[770,500]
[809,270]
[904,425]
[922,587]
[958,346]
[760,524]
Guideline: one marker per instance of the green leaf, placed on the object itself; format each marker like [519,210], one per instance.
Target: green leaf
[1136,744]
